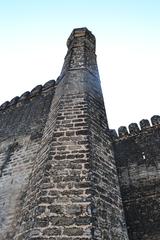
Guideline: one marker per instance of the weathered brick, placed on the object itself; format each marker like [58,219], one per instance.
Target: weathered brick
[58,134]
[83,220]
[41,222]
[58,209]
[60,157]
[74,209]
[70,133]
[73,231]
[82,132]
[47,132]
[52,231]
[61,221]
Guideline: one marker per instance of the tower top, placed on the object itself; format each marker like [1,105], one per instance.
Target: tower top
[81,37]
[81,52]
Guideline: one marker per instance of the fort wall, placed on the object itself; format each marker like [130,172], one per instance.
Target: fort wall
[64,175]
[22,121]
[137,157]
[73,192]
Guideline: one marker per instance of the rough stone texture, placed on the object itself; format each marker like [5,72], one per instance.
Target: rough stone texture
[60,163]
[138,163]
[21,127]
[73,191]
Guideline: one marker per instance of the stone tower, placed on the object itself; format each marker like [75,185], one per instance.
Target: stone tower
[58,175]
[65,184]
[64,175]
[72,191]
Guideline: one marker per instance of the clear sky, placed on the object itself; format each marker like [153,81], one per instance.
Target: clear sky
[33,36]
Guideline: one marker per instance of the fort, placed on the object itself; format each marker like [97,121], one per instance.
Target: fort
[64,175]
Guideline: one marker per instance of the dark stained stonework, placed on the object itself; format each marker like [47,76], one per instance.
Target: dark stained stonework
[64,175]
[138,163]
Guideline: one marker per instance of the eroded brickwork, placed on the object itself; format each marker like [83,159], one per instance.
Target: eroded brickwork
[17,159]
[106,199]
[63,174]
[69,189]
[138,162]
[21,126]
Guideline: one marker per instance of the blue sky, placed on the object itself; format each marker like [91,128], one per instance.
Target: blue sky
[33,45]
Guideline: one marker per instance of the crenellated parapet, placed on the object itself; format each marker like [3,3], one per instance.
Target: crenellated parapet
[27,96]
[137,156]
[134,129]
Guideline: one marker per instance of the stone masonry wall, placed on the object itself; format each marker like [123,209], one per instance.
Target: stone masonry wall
[56,198]
[138,162]
[108,214]
[21,126]
[69,195]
